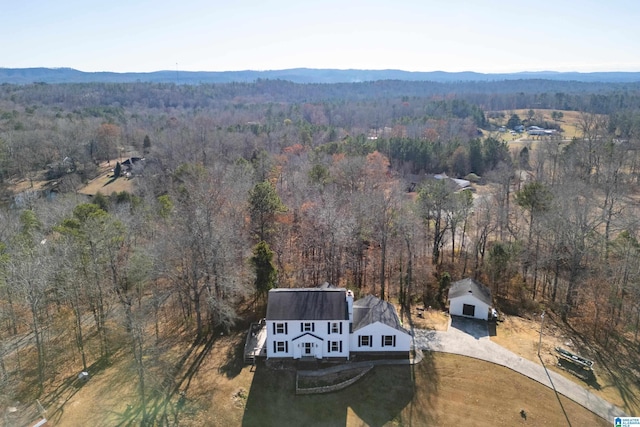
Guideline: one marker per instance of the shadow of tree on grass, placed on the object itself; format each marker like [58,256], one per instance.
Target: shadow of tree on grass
[377,399]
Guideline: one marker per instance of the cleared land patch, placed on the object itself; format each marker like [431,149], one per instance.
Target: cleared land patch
[441,390]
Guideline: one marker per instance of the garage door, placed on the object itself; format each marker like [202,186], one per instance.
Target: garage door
[468,310]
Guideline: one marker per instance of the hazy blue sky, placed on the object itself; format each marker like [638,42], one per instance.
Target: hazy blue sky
[416,35]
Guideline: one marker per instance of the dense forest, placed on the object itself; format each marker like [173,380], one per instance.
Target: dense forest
[247,186]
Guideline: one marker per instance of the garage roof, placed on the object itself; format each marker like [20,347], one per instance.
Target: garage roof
[470,286]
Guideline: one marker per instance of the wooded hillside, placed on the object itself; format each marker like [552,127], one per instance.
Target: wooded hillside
[248,186]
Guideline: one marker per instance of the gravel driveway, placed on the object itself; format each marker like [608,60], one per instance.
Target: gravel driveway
[470,338]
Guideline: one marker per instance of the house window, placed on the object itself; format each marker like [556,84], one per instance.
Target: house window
[281,328]
[334,346]
[388,340]
[307,327]
[364,341]
[334,328]
[281,346]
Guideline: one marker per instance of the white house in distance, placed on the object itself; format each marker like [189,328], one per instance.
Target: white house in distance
[326,323]
[469,298]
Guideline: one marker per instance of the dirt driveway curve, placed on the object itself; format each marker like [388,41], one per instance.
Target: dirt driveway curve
[471,338]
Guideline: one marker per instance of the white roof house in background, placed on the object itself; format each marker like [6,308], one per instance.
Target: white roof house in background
[469,298]
[460,183]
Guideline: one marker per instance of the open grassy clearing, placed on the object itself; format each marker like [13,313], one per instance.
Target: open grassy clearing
[442,390]
[569,124]
[105,183]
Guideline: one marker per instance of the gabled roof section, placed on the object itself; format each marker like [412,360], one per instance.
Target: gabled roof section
[370,309]
[470,286]
[308,334]
[307,304]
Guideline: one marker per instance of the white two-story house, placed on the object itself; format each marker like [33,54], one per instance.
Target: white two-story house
[326,323]
[308,323]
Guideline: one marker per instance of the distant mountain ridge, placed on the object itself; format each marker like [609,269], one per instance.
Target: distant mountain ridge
[296,75]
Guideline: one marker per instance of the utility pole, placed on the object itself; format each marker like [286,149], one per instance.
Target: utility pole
[541,323]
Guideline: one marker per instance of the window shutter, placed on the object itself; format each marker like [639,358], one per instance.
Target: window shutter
[274,347]
[286,329]
[301,327]
[382,341]
[394,340]
[286,346]
[274,328]
[328,346]
[313,327]
[370,340]
[328,328]
[340,346]
[340,329]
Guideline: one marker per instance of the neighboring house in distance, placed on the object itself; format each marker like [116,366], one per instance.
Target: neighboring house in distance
[326,323]
[132,166]
[377,329]
[469,298]
[460,184]
[536,130]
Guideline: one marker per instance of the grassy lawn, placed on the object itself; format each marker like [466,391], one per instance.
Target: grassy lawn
[220,391]
[106,184]
[442,390]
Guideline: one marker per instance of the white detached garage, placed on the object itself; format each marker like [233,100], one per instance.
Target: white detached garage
[469,298]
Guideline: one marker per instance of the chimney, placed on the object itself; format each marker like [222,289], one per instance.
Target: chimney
[350,305]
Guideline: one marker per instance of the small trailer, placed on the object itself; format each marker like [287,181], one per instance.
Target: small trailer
[577,365]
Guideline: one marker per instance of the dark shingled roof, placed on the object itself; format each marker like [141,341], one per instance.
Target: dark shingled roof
[468,285]
[370,309]
[307,304]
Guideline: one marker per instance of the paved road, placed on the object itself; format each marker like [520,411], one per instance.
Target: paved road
[470,338]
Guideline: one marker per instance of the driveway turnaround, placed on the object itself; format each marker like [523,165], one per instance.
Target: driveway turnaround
[471,338]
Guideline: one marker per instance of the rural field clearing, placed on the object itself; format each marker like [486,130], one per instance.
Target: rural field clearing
[106,184]
[570,124]
[442,390]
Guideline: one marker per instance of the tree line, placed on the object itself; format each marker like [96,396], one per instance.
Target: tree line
[244,193]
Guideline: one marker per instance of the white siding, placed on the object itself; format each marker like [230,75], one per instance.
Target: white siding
[456,305]
[273,338]
[376,331]
[321,333]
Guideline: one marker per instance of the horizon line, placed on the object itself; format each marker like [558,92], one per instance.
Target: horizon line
[323,69]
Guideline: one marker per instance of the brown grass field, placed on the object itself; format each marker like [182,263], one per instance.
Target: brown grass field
[569,124]
[441,390]
[106,184]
